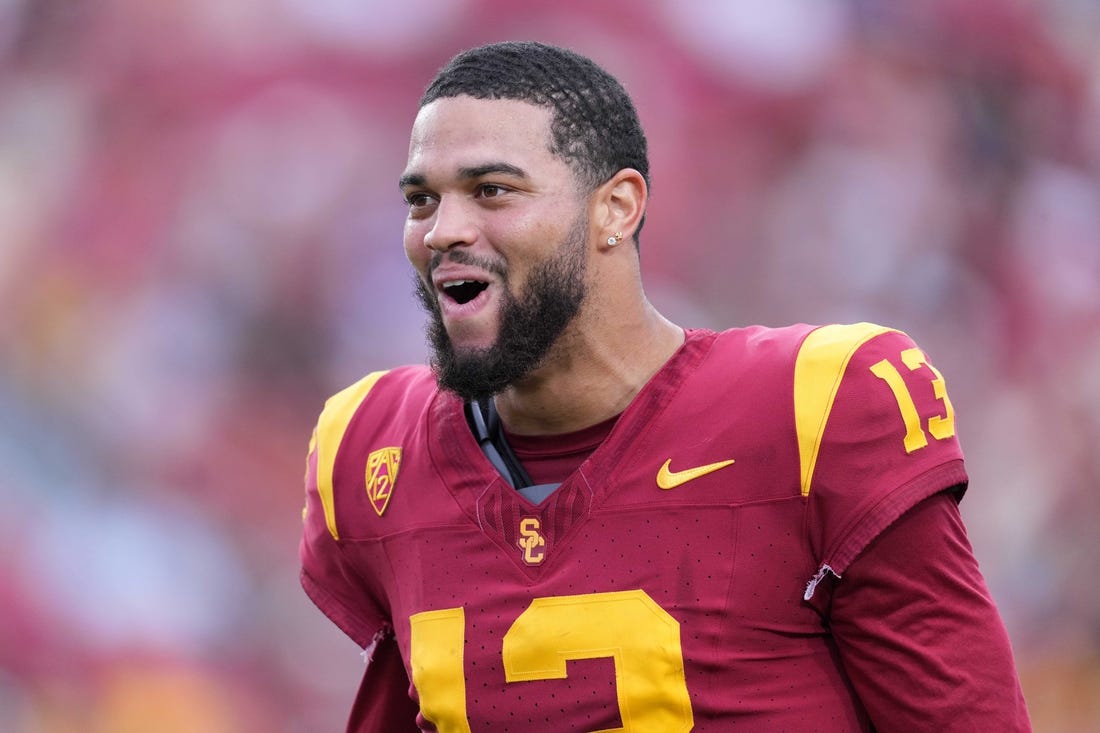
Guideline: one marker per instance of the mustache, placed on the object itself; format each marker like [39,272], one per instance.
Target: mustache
[425,295]
[462,257]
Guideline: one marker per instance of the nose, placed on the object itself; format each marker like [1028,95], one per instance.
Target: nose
[452,226]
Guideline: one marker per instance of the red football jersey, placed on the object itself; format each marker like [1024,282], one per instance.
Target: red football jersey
[669,583]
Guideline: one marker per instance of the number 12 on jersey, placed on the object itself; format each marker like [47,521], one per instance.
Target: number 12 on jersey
[627,626]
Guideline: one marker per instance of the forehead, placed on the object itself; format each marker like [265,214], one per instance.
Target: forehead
[455,132]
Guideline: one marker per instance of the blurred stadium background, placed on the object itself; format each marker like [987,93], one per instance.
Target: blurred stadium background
[200,240]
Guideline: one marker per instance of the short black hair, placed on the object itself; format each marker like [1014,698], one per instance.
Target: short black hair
[595,127]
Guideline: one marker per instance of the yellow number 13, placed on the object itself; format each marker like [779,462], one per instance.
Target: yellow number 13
[940,426]
[627,626]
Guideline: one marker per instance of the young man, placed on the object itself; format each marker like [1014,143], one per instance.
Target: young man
[584,517]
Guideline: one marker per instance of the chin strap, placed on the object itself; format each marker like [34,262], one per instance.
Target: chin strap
[485,423]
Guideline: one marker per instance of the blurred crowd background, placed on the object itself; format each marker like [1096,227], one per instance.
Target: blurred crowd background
[200,240]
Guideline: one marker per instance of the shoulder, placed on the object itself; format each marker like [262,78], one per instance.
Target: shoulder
[383,403]
[760,342]
[846,384]
[871,386]
[383,396]
[816,357]
[383,399]
[382,387]
[842,374]
[868,394]
[875,430]
[825,354]
[807,343]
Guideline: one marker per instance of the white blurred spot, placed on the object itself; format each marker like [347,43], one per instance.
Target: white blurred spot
[782,45]
[401,28]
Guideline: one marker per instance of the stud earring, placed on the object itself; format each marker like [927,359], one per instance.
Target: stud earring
[612,241]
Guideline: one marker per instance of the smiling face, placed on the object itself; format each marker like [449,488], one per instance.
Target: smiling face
[497,232]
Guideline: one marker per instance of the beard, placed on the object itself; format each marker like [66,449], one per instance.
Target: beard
[528,326]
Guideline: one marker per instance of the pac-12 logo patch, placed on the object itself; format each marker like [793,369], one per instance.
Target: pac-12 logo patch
[531,541]
[382,466]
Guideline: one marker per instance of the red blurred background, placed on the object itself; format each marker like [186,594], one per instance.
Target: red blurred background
[200,240]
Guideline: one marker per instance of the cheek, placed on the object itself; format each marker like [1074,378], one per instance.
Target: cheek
[418,254]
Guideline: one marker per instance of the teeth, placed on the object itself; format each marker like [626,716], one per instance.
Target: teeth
[455,283]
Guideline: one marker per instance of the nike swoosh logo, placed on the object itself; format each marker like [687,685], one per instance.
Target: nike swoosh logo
[668,479]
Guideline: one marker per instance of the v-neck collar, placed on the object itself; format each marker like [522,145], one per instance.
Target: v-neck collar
[470,476]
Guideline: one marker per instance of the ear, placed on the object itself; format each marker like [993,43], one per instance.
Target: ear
[619,204]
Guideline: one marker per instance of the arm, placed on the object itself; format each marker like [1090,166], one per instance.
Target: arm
[340,590]
[383,704]
[918,633]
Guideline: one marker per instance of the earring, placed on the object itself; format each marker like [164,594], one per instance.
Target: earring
[612,241]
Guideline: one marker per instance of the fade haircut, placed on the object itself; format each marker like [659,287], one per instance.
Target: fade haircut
[594,126]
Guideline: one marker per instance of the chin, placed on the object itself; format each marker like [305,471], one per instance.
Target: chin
[467,339]
[469,348]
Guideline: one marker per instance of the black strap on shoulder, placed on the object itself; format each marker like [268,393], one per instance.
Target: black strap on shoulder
[485,424]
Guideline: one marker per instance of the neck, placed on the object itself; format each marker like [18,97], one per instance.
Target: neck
[592,374]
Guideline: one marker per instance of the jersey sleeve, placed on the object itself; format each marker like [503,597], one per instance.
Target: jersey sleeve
[326,577]
[918,633]
[341,570]
[383,703]
[876,435]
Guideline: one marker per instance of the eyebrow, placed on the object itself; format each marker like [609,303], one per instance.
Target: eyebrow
[467,173]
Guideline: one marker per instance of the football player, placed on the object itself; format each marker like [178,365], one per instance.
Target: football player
[585,517]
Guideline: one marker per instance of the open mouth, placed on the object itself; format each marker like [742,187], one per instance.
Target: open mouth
[463,291]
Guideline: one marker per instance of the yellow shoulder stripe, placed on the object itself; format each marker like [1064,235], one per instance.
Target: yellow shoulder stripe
[818,371]
[331,426]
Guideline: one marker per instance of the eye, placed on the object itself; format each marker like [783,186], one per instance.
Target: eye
[490,191]
[418,201]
